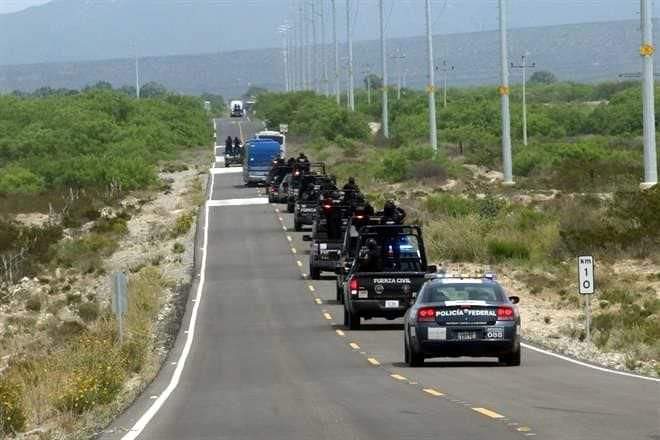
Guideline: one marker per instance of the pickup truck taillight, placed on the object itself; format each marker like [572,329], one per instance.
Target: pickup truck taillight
[353,285]
[505,314]
[426,314]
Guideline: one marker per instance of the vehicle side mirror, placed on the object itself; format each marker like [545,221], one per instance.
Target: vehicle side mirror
[307,238]
[514,299]
[432,268]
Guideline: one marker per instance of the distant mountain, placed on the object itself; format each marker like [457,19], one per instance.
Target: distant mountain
[584,52]
[75,30]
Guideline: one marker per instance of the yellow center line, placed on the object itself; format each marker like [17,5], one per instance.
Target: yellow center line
[327,316]
[277,210]
[311,288]
[373,361]
[433,392]
[299,263]
[488,413]
[354,346]
[293,250]
[398,377]
[284,228]
[318,301]
[280,219]
[288,237]
[340,333]
[524,429]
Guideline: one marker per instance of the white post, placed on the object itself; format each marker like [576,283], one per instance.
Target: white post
[315,48]
[324,55]
[349,38]
[383,55]
[431,77]
[504,93]
[647,50]
[137,74]
[524,98]
[336,44]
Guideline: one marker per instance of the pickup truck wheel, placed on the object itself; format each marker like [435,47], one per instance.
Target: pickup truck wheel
[297,226]
[315,273]
[340,295]
[511,359]
[289,208]
[353,320]
[226,164]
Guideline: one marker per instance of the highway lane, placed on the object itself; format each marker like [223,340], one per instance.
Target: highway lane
[553,398]
[264,363]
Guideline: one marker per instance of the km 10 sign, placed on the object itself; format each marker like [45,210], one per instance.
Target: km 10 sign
[586,275]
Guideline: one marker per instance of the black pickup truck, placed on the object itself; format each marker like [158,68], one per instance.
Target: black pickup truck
[311,192]
[383,272]
[297,175]
[332,219]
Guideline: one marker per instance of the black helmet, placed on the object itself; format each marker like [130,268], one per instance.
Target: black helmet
[389,205]
[372,244]
[351,180]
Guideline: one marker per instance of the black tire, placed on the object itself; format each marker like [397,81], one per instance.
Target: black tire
[412,356]
[511,359]
[351,320]
[226,164]
[297,226]
[290,207]
[315,273]
[340,294]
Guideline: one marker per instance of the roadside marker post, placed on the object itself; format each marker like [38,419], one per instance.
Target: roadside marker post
[120,300]
[586,287]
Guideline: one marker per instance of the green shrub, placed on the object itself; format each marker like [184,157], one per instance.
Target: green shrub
[33,303]
[456,238]
[95,377]
[450,206]
[12,410]
[500,250]
[178,248]
[88,311]
[15,179]
[183,224]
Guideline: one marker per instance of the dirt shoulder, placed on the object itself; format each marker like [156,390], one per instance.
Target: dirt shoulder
[46,318]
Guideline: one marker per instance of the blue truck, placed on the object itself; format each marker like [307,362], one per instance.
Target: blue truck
[258,156]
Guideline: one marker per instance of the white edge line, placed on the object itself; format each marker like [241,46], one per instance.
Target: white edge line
[584,364]
[144,420]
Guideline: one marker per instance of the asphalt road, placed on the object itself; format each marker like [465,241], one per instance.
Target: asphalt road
[265,357]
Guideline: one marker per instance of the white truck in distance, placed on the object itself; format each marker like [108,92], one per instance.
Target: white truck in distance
[236,108]
[274,136]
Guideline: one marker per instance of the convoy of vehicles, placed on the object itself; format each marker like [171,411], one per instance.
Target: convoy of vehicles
[381,266]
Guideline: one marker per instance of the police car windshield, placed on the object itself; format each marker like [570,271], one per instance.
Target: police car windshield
[441,292]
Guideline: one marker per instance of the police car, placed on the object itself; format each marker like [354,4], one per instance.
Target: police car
[456,316]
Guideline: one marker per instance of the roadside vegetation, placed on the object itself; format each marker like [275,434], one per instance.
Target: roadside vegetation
[76,170]
[576,194]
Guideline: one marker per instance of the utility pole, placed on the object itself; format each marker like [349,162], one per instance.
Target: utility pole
[336,45]
[647,50]
[367,77]
[504,93]
[284,30]
[445,73]
[349,38]
[430,88]
[303,42]
[314,57]
[383,55]
[324,55]
[524,66]
[399,56]
[137,74]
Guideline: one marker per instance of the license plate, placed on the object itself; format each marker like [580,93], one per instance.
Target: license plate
[495,333]
[437,333]
[391,304]
[466,336]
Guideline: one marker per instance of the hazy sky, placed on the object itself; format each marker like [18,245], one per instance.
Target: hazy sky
[450,16]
